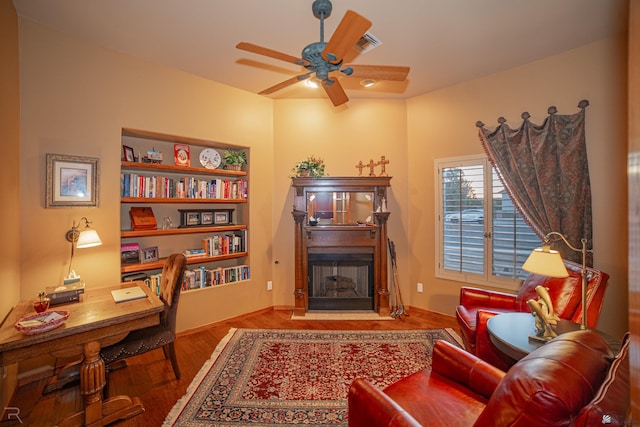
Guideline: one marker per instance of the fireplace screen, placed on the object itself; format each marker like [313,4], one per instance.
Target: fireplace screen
[340,281]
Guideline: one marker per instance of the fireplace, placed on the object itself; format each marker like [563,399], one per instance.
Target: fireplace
[341,244]
[340,281]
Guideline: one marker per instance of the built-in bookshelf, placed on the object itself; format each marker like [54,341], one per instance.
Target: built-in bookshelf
[198,211]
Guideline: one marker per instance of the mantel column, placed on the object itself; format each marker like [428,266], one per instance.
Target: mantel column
[383,288]
[300,293]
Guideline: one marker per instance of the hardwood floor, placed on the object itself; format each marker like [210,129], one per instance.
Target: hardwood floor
[150,377]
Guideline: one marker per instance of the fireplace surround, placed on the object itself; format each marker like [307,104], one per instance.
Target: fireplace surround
[341,244]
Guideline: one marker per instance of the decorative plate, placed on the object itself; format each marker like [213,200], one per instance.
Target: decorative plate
[41,322]
[210,158]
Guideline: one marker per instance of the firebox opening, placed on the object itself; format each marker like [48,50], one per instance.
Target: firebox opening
[341,282]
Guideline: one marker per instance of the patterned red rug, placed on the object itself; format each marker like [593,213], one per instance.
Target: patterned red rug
[259,377]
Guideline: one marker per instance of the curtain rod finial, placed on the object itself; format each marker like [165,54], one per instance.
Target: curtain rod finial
[479,124]
[525,115]
[501,120]
[552,110]
[583,104]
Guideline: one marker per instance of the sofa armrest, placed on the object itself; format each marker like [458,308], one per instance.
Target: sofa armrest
[475,297]
[370,407]
[465,368]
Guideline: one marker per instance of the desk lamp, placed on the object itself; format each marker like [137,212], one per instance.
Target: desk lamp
[548,262]
[86,238]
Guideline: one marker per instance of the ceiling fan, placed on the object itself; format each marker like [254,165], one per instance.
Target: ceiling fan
[325,59]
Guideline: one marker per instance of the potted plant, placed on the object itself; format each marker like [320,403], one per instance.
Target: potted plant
[234,159]
[311,167]
[42,304]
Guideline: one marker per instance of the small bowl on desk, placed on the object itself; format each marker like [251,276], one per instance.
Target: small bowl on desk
[41,305]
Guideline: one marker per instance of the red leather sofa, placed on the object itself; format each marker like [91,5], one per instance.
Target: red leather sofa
[573,380]
[477,306]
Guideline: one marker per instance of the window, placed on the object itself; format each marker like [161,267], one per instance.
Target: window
[481,237]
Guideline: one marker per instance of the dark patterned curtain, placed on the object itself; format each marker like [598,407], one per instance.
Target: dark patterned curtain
[544,169]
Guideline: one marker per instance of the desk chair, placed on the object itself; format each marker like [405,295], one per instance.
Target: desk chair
[161,335]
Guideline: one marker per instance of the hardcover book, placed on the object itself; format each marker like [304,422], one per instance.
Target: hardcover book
[130,253]
[65,294]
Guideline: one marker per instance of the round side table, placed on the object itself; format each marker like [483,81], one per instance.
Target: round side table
[509,332]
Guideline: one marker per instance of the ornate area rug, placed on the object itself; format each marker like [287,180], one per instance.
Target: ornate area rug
[260,377]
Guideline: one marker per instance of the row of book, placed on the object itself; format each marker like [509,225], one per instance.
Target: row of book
[225,244]
[203,278]
[219,244]
[135,185]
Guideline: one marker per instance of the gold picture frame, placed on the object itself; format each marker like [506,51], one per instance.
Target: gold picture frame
[72,181]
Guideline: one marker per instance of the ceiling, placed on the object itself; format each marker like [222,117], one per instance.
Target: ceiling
[443,41]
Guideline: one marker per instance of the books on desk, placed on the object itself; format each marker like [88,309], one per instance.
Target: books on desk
[65,294]
[128,294]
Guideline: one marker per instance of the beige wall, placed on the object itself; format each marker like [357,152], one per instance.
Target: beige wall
[442,124]
[9,173]
[361,130]
[634,206]
[76,98]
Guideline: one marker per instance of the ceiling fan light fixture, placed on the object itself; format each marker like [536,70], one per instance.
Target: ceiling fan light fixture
[313,83]
[322,58]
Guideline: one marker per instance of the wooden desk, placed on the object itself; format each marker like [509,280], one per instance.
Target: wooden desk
[509,332]
[93,322]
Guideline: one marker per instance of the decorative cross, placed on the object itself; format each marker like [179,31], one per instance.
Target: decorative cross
[383,162]
[360,166]
[372,166]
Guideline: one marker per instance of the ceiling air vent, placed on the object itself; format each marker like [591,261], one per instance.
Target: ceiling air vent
[367,42]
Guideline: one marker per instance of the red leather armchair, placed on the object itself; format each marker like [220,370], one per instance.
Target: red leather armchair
[477,306]
[574,380]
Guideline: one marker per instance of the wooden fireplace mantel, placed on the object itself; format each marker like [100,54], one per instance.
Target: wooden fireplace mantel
[343,238]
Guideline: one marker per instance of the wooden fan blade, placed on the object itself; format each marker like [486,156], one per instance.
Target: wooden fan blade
[253,48]
[281,85]
[336,92]
[379,72]
[349,31]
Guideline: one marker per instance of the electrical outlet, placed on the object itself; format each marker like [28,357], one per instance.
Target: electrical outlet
[419,287]
[269,285]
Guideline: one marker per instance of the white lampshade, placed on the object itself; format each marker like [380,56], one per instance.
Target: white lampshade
[88,238]
[546,262]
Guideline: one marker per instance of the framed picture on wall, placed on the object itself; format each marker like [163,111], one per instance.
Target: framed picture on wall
[71,181]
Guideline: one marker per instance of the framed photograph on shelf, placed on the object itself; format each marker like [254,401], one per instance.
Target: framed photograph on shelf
[193,218]
[206,218]
[221,217]
[127,154]
[149,254]
[71,181]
